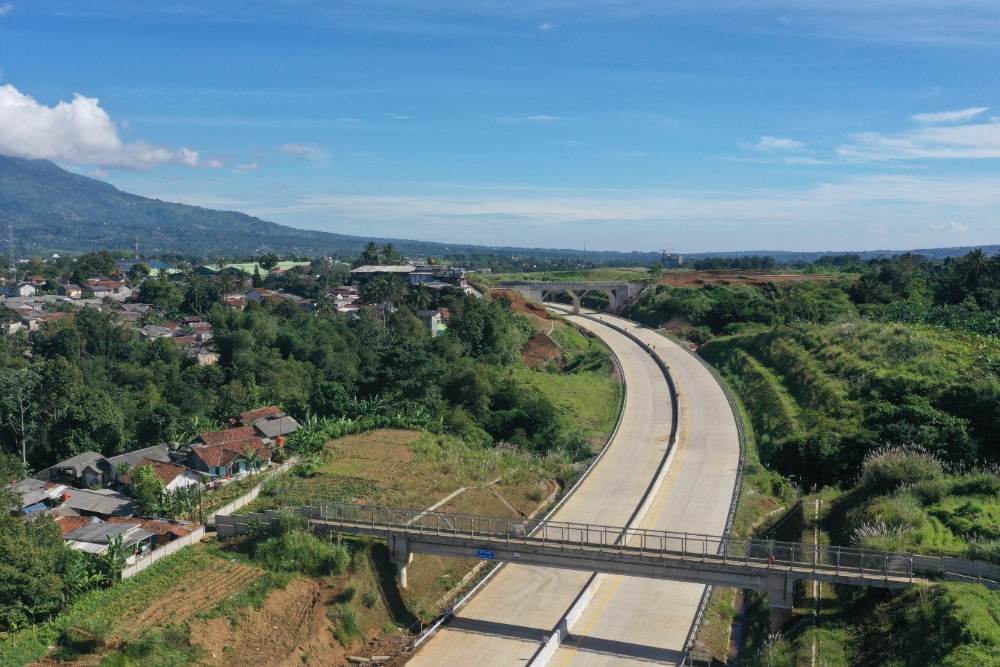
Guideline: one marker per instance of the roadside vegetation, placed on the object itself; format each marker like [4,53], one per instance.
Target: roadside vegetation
[873,407]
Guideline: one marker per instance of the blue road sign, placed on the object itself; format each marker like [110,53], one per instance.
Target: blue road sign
[486,554]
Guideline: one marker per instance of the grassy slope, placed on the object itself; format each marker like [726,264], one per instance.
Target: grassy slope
[806,378]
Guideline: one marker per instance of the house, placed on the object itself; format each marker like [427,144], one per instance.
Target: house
[154,331]
[276,428]
[86,469]
[223,454]
[237,301]
[95,537]
[20,289]
[72,291]
[434,320]
[250,416]
[38,281]
[204,357]
[165,530]
[109,289]
[270,422]
[38,495]
[101,503]
[173,476]
[229,460]
[130,460]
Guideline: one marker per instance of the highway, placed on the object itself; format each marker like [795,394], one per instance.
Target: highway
[629,619]
[634,621]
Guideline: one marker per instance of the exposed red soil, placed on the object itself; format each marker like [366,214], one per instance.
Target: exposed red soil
[539,350]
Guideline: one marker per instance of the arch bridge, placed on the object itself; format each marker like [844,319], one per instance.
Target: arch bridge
[619,292]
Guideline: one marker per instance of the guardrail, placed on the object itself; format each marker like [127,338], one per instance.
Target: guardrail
[846,562]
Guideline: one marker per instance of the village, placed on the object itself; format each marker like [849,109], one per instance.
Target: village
[101,502]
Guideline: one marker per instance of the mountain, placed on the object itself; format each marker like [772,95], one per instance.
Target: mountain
[55,210]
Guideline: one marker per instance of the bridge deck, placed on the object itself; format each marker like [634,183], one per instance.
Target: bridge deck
[651,553]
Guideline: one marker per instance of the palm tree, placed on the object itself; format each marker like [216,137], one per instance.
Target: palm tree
[192,427]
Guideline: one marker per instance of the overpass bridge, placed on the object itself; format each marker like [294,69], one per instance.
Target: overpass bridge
[764,565]
[619,292]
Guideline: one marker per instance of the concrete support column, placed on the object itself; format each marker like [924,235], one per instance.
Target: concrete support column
[400,555]
[780,598]
[576,301]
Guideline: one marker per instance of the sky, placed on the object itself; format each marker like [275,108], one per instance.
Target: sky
[685,126]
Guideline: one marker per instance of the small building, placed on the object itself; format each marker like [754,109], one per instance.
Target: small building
[434,320]
[109,289]
[86,469]
[370,270]
[39,496]
[173,476]
[20,289]
[223,454]
[101,503]
[130,460]
[96,537]
[154,331]
[205,357]
[72,291]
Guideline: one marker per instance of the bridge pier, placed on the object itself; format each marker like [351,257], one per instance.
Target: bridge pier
[400,556]
[780,598]
[576,301]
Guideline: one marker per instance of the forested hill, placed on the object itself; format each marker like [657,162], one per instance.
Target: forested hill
[57,210]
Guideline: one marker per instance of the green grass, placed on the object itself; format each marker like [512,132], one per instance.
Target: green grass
[589,400]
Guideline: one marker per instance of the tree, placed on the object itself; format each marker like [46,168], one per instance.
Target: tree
[384,289]
[138,272]
[16,390]
[147,489]
[268,261]
[390,255]
[369,256]
[93,264]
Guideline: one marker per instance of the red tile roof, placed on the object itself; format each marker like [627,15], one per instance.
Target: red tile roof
[158,526]
[224,454]
[249,417]
[228,435]
[167,472]
[185,341]
[67,524]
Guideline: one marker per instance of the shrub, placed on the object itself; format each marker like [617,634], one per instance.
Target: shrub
[347,594]
[348,629]
[300,551]
[369,598]
[887,469]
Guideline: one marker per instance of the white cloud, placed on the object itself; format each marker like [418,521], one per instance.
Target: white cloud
[769,144]
[533,118]
[6,8]
[953,116]
[306,151]
[247,167]
[78,132]
[951,227]
[545,27]
[972,141]
[398,116]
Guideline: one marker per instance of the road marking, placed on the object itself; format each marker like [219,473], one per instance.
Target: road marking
[606,593]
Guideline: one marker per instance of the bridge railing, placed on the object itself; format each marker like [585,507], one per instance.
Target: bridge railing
[655,544]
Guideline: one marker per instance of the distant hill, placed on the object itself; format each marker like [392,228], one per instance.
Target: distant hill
[59,211]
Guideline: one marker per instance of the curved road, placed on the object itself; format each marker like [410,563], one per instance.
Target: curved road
[505,623]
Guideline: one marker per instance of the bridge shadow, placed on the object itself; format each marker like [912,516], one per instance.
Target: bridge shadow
[608,647]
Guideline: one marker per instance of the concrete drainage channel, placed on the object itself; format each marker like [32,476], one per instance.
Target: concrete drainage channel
[447,616]
[548,649]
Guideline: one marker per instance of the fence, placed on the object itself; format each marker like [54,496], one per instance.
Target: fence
[173,547]
[652,544]
[250,495]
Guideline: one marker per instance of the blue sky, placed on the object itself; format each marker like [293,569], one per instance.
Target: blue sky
[611,124]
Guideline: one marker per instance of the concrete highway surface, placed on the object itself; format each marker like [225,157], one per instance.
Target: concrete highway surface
[629,619]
